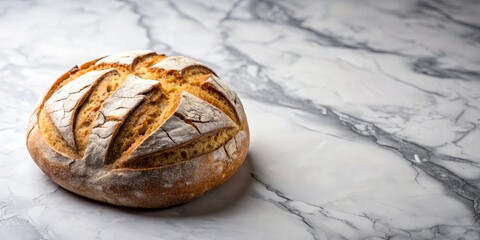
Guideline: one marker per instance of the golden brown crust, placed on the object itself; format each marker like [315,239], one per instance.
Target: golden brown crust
[145,187]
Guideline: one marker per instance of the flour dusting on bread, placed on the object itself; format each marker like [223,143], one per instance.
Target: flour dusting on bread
[139,129]
[63,104]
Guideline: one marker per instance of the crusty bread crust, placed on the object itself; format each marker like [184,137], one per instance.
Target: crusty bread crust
[149,187]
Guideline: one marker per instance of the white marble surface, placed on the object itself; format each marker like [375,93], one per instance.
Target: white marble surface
[364,116]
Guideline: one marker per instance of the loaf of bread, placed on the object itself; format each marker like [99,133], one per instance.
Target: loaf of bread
[139,129]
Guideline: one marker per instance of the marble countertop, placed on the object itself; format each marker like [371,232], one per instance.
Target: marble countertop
[364,116]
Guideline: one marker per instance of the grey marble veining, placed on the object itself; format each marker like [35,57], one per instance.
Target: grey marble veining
[363,116]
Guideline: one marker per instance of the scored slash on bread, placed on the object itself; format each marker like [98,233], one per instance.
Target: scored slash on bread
[63,104]
[112,114]
[125,58]
[129,119]
[179,63]
[192,118]
[217,84]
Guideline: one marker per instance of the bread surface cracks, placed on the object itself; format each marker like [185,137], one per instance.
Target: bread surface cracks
[153,113]
[157,107]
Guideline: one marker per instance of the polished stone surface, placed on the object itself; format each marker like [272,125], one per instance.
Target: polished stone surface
[364,116]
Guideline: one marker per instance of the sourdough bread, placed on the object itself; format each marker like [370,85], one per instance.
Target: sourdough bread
[139,129]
